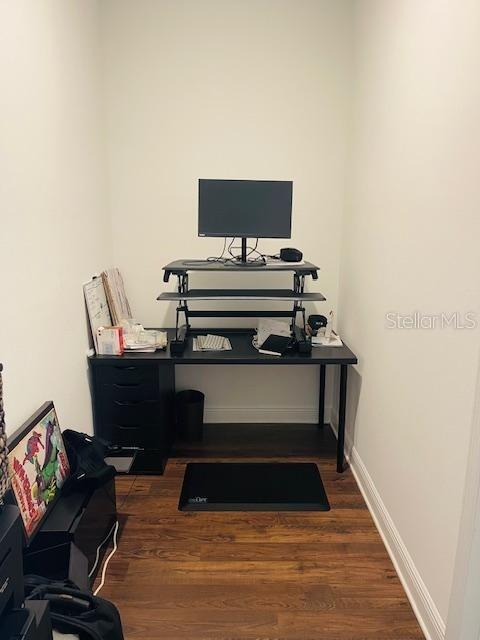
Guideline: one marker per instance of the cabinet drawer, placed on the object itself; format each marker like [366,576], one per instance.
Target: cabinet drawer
[147,436]
[124,374]
[128,393]
[133,413]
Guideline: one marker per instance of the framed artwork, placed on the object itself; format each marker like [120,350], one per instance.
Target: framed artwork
[37,466]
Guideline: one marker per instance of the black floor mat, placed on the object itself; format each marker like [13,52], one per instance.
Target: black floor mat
[253,486]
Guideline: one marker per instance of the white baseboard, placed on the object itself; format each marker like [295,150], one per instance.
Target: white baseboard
[426,612]
[308,415]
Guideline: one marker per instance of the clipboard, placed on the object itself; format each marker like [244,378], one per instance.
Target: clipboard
[97,306]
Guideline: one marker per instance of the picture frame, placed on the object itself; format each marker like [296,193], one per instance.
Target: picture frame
[37,466]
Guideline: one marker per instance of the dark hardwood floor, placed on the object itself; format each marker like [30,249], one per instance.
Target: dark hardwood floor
[295,575]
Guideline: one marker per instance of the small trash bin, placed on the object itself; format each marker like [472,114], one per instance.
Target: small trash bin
[190,405]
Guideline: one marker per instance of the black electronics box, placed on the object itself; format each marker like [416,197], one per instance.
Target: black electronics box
[65,546]
[11,566]
[303,342]
[29,623]
[18,624]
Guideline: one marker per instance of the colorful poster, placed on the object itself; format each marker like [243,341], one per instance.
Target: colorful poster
[38,466]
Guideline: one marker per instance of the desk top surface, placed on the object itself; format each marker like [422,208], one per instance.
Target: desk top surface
[243,352]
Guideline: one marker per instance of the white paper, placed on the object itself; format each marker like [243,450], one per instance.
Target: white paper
[269,326]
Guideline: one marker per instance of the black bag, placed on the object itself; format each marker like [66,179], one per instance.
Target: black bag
[75,611]
[86,455]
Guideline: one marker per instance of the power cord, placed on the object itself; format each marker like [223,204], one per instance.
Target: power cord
[260,257]
[109,557]
[219,258]
[234,258]
[97,556]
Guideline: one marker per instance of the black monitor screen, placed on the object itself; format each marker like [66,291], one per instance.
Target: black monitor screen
[245,208]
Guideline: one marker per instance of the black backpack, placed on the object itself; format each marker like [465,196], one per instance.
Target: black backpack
[75,611]
[86,457]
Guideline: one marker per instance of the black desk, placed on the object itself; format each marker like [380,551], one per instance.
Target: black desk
[133,394]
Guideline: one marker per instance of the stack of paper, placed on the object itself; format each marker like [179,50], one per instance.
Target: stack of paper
[116,296]
[327,341]
[136,338]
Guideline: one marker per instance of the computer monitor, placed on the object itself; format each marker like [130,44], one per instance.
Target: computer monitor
[245,208]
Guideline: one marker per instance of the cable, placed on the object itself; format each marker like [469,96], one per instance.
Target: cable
[254,248]
[220,257]
[99,547]
[128,494]
[234,258]
[230,248]
[237,258]
[109,557]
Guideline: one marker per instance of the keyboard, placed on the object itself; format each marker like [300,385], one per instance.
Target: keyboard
[213,343]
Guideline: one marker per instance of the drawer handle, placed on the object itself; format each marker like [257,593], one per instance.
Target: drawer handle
[125,386]
[131,368]
[124,427]
[132,403]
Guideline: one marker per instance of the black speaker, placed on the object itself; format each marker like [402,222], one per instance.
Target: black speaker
[290,255]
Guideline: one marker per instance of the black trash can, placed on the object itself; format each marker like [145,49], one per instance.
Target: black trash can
[190,405]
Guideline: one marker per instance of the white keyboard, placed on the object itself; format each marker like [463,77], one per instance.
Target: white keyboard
[213,343]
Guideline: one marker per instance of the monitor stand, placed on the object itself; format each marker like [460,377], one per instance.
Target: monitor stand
[243,262]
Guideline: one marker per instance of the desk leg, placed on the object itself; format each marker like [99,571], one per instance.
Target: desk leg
[341,417]
[321,397]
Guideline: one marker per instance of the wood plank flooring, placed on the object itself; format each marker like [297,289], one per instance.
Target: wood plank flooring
[236,576]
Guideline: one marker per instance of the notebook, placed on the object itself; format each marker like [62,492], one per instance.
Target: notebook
[275,345]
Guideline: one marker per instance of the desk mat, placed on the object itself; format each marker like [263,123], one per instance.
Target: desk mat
[252,486]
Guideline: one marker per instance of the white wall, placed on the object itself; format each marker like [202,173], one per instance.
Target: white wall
[53,227]
[411,244]
[225,89]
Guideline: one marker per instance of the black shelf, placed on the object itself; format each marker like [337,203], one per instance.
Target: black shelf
[241,294]
[180,267]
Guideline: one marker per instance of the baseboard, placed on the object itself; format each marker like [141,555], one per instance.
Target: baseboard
[286,415]
[427,614]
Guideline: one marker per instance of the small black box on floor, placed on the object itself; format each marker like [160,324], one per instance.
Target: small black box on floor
[66,543]
[59,562]
[11,568]
[29,623]
[253,486]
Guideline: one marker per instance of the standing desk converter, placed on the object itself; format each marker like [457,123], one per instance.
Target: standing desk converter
[133,395]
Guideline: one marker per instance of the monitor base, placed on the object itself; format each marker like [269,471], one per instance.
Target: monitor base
[244,262]
[251,263]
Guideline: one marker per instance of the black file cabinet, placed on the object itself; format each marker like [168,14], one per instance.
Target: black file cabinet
[133,404]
